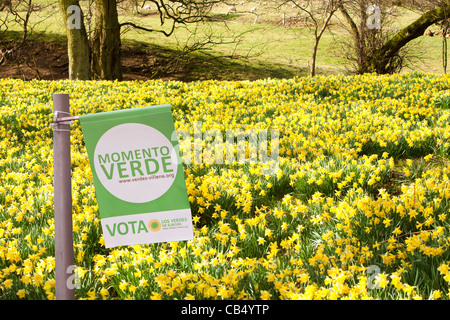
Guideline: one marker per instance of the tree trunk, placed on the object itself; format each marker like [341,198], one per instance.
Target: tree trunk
[313,60]
[380,61]
[386,58]
[357,39]
[77,41]
[316,48]
[444,48]
[106,62]
[317,36]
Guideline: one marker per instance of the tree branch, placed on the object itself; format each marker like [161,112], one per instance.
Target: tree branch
[131,24]
[414,30]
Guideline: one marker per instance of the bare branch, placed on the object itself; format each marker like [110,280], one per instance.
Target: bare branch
[131,24]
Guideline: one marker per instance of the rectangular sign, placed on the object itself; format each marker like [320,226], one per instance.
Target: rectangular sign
[138,176]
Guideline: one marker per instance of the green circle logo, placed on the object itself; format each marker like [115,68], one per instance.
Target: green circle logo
[135,162]
[154,225]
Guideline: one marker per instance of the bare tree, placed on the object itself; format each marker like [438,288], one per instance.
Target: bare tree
[19,13]
[320,14]
[387,55]
[106,40]
[445,28]
[176,12]
[427,5]
[370,26]
[100,58]
[315,13]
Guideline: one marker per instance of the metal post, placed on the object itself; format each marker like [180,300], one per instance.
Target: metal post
[64,259]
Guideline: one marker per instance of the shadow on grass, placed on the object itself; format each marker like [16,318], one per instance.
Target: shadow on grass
[148,61]
[44,56]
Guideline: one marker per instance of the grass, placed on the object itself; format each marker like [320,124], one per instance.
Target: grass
[264,49]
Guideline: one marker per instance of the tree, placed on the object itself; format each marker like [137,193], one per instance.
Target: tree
[370,27]
[407,34]
[427,5]
[445,28]
[106,56]
[320,13]
[385,57]
[77,40]
[16,10]
[24,15]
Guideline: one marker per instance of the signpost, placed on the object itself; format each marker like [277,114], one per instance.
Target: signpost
[138,178]
[62,197]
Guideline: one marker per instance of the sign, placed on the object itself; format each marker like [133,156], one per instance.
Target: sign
[138,176]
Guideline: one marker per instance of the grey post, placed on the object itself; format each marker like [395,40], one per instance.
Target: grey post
[62,198]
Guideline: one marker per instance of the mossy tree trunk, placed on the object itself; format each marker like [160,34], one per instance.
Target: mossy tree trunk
[77,41]
[106,56]
[381,61]
[411,32]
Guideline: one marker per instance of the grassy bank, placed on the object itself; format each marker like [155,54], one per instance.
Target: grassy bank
[241,48]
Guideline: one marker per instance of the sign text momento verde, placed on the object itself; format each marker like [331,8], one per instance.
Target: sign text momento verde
[138,177]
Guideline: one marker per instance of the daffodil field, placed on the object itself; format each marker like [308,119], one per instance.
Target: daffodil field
[358,207]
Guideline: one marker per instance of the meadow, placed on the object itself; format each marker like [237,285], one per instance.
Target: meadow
[358,208]
[235,46]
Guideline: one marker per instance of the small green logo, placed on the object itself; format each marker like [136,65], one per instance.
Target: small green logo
[154,225]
